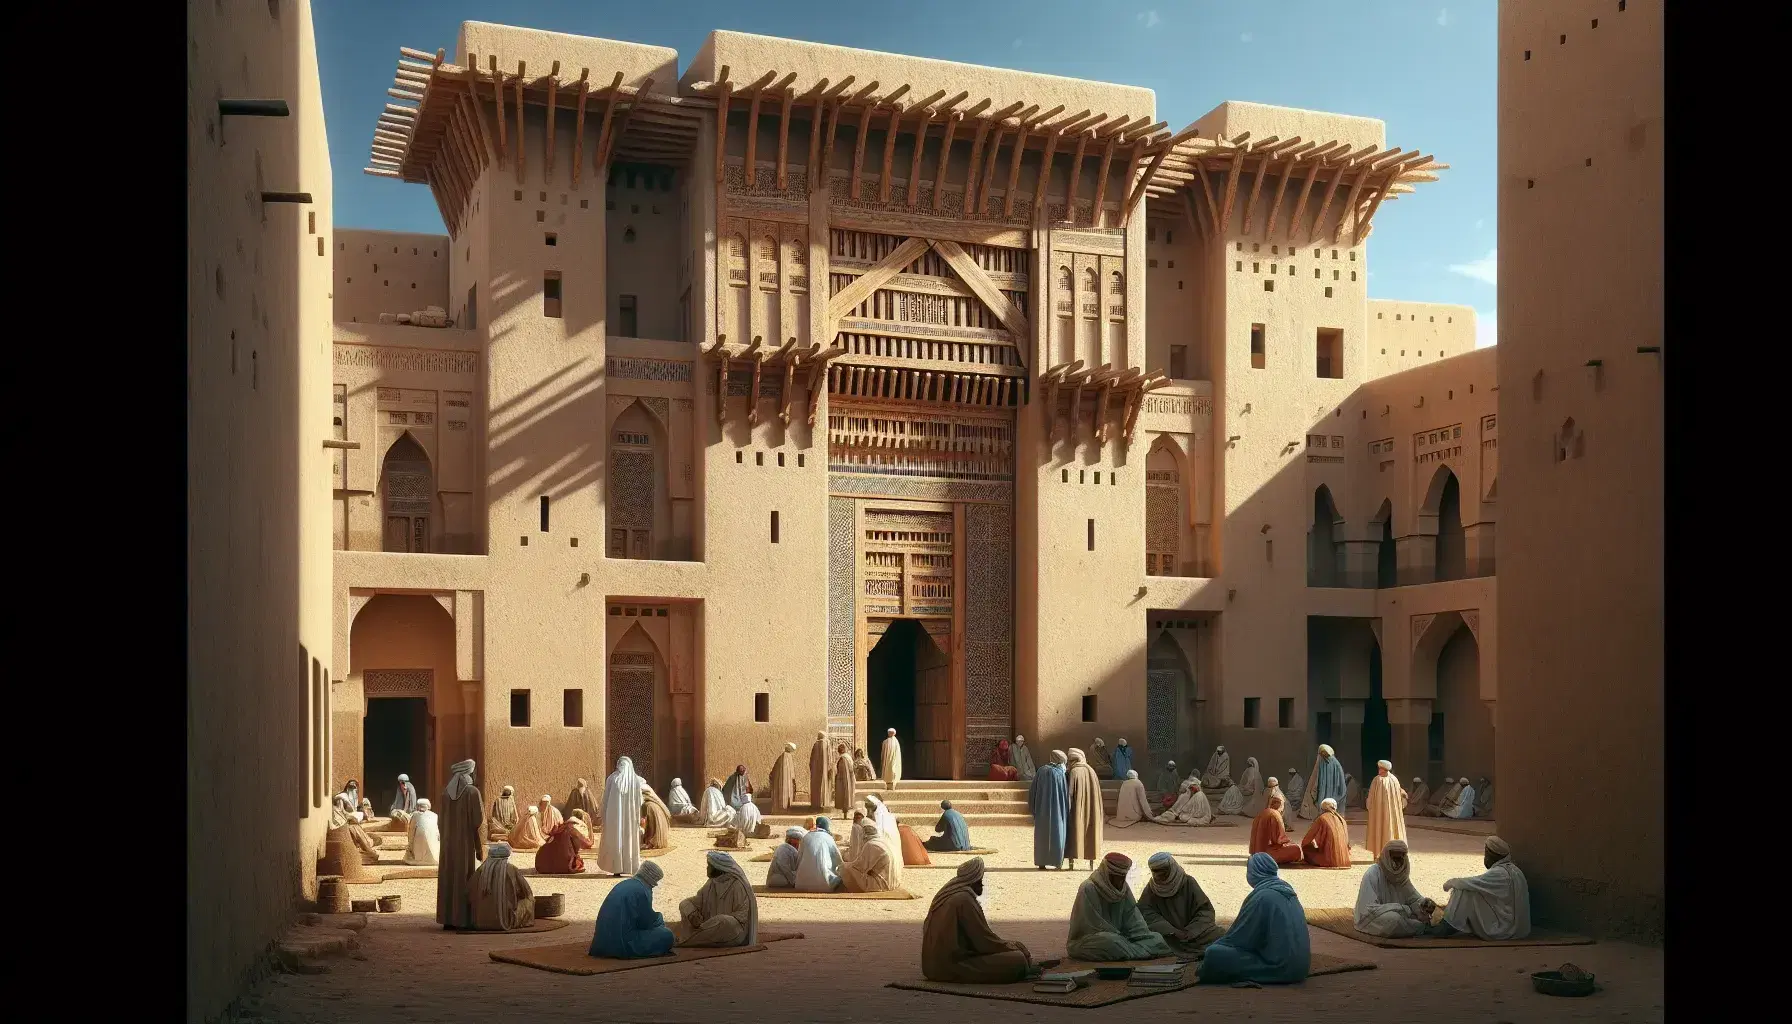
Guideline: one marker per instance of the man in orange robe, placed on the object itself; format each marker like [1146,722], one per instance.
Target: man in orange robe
[1269,836]
[1327,843]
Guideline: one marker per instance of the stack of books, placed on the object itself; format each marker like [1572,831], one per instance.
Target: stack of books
[1063,982]
[1156,976]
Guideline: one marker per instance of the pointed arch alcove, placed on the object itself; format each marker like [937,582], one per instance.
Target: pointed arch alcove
[637,503]
[407,497]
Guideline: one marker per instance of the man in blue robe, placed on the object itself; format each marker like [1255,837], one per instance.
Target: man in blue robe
[1049,802]
[1122,759]
[1327,782]
[628,928]
[818,860]
[1268,943]
[951,833]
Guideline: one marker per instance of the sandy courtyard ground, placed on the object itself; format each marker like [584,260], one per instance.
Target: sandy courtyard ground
[407,969]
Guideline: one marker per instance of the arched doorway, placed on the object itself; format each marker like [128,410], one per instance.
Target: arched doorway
[631,697]
[407,492]
[401,709]
[1163,510]
[909,689]
[637,515]
[1452,551]
[1322,545]
[1387,561]
[1169,687]
[1459,714]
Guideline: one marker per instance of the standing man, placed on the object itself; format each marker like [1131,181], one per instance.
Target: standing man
[463,847]
[1084,837]
[1386,804]
[892,760]
[784,781]
[1049,802]
[1326,783]
[819,762]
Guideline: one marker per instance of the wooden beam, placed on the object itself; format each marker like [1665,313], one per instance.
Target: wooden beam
[979,282]
[827,150]
[883,176]
[987,177]
[522,123]
[552,125]
[724,96]
[750,165]
[1101,180]
[940,165]
[1300,205]
[498,94]
[1138,190]
[914,161]
[974,169]
[816,116]
[622,125]
[1362,225]
[1330,192]
[1350,207]
[485,135]
[1231,189]
[848,298]
[784,144]
[1076,175]
[578,130]
[1250,201]
[1275,206]
[1045,171]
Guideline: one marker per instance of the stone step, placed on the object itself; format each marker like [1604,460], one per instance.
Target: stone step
[779,822]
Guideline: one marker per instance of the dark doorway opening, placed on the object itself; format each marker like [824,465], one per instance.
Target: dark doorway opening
[909,689]
[1323,726]
[395,742]
[1378,735]
[1386,567]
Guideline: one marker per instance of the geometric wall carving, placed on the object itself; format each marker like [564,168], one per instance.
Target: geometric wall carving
[842,609]
[400,682]
[628,709]
[988,612]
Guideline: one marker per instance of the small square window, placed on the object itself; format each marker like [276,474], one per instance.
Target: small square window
[1089,708]
[1251,705]
[1328,291]
[584,204]
[1285,713]
[552,239]
[519,195]
[519,709]
[541,216]
[572,704]
[550,294]
[762,707]
[1269,286]
[758,458]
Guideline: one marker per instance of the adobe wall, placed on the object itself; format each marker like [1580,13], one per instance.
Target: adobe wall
[259,617]
[1581,237]
[378,272]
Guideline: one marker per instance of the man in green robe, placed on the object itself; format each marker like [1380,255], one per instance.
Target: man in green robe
[1175,907]
[1105,923]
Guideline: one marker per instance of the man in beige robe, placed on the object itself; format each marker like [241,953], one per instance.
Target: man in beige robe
[821,763]
[656,821]
[843,784]
[876,865]
[502,899]
[504,817]
[1449,801]
[1417,796]
[724,912]
[463,847]
[957,943]
[892,760]
[1082,835]
[1434,806]
[783,794]
[1386,806]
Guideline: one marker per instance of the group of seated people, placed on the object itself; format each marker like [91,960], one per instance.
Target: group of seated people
[1454,799]
[1494,905]
[723,912]
[1325,845]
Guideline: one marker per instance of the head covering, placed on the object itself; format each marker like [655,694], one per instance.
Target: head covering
[1076,755]
[1122,741]
[1260,868]
[969,874]
[867,830]
[794,832]
[1058,757]
[1271,782]
[535,810]
[1172,881]
[1394,875]
[460,776]
[1169,764]
[677,783]
[1329,804]
[1325,749]
[1132,773]
[1018,738]
[1098,742]
[423,805]
[726,865]
[1119,860]
[1416,780]
[1498,847]
[822,824]
[499,850]
[1109,876]
[403,777]
[945,805]
[889,732]
[651,873]
[788,746]
[1389,765]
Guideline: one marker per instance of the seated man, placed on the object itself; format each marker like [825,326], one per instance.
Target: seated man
[1465,802]
[1270,836]
[1232,801]
[713,810]
[818,860]
[1387,904]
[1175,907]
[951,833]
[678,801]
[1434,807]
[560,854]
[503,819]
[1492,905]
[342,823]
[425,846]
[782,873]
[1327,843]
[957,943]
[862,768]
[747,818]
[502,899]
[627,926]
[656,820]
[1134,805]
[1484,798]
[1105,923]
[528,834]
[550,815]
[1192,808]
[876,866]
[1268,943]
[724,912]
[1416,798]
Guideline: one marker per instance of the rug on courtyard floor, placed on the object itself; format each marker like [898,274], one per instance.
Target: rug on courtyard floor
[392,874]
[575,958]
[1100,992]
[888,894]
[1458,826]
[417,923]
[1342,921]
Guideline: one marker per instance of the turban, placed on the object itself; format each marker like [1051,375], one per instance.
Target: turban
[1076,755]
[547,798]
[1169,764]
[460,777]
[1260,868]
[890,732]
[794,833]
[789,746]
[1385,764]
[867,830]
[532,809]
[507,791]
[1326,749]
[1272,780]
[1123,741]
[945,805]
[1058,757]
[1498,847]
[499,850]
[1394,875]
[822,824]
[1118,860]
[1132,774]
[651,873]
[404,778]
[1219,750]
[1416,780]
[1329,804]
[1018,738]
[1172,880]
[969,874]
[423,805]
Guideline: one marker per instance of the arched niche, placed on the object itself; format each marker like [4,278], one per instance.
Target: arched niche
[407,496]
[1169,548]
[1440,516]
[1387,559]
[1170,696]
[1325,541]
[637,505]
[636,703]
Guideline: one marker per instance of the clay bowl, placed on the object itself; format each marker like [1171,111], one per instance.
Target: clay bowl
[1551,983]
[550,904]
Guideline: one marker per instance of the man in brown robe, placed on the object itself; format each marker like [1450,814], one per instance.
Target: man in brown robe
[502,899]
[1327,843]
[820,776]
[843,786]
[1082,837]
[504,818]
[1175,907]
[581,799]
[783,794]
[463,847]
[1269,835]
[656,821]
[957,943]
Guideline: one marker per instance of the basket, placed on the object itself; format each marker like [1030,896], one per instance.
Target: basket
[1552,983]
[364,907]
[333,899]
[551,904]
[390,904]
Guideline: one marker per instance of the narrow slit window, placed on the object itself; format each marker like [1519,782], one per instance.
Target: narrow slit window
[550,294]
[629,326]
[1259,347]
[762,707]
[774,527]
[519,709]
[1252,706]
[1089,708]
[572,704]
[1091,535]
[545,502]
[1285,713]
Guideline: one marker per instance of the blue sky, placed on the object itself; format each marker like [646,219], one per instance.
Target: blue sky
[1426,69]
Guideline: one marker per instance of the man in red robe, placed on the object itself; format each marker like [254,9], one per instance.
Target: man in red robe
[1269,836]
[1327,843]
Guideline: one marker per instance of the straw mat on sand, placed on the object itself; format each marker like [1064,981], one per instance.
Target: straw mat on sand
[574,958]
[889,894]
[1342,921]
[1100,992]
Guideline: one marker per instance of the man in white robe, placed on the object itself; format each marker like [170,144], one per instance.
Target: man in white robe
[619,851]
[713,811]
[1024,767]
[1250,784]
[885,820]
[818,860]
[785,859]
[1232,802]
[425,845]
[1493,905]
[404,801]
[1465,802]
[1387,904]
[1385,807]
[1219,769]
[892,761]
[1294,789]
[1134,805]
[747,817]
[1192,808]
[677,800]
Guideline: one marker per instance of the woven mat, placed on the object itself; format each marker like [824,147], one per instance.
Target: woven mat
[975,851]
[1342,921]
[1460,826]
[1100,992]
[661,852]
[428,924]
[575,958]
[1216,823]
[382,873]
[891,894]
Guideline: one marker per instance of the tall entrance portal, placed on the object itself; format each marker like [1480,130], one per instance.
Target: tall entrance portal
[908,687]
[395,741]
